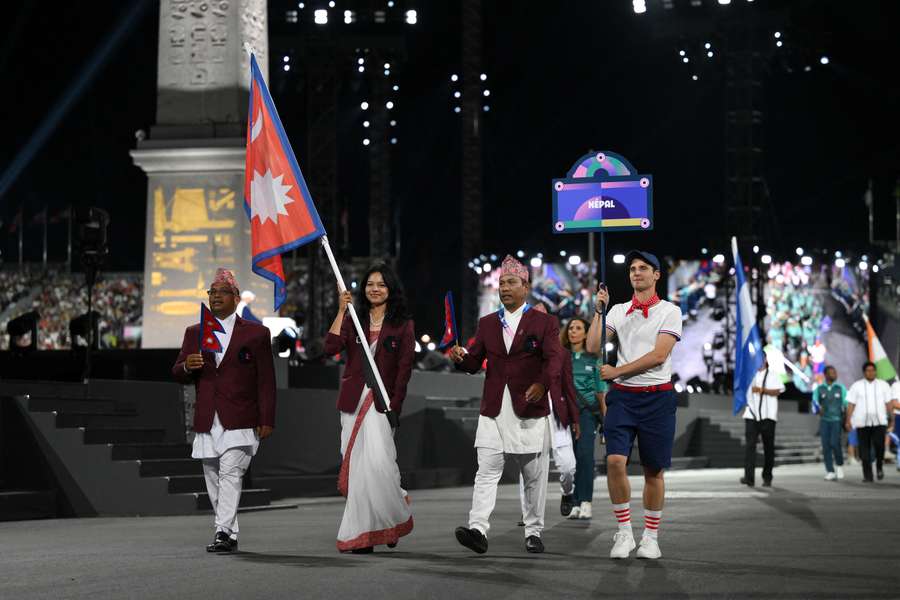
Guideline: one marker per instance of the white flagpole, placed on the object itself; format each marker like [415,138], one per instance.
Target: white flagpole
[363,338]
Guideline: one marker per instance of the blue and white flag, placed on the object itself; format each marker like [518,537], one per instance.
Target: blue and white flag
[748,352]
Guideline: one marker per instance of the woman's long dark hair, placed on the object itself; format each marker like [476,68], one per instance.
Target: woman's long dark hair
[396,312]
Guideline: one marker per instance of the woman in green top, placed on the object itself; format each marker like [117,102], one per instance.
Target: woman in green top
[590,398]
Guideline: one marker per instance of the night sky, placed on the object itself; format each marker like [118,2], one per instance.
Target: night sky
[565,78]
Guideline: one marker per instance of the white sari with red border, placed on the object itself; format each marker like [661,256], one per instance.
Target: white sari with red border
[377,511]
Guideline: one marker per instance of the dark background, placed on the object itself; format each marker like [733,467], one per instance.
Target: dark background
[565,78]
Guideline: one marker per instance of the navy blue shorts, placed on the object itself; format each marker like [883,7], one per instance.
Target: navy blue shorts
[649,416]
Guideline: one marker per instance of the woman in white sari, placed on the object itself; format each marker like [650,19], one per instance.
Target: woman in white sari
[377,510]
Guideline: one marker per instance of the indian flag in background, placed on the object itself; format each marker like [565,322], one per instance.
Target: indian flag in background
[877,355]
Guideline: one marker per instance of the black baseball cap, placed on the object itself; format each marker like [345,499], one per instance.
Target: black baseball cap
[648,258]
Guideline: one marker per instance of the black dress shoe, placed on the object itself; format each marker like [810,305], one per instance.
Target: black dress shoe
[392,545]
[767,483]
[879,474]
[521,524]
[224,544]
[366,550]
[220,537]
[534,544]
[748,482]
[472,539]
[566,504]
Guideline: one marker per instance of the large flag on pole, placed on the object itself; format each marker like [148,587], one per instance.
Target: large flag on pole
[278,203]
[748,354]
[883,367]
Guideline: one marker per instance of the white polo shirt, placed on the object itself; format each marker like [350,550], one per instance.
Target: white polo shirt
[763,406]
[637,336]
[869,399]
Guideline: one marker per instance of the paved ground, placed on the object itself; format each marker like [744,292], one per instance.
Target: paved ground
[804,538]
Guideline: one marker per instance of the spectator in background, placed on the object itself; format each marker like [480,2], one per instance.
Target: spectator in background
[869,402]
[895,401]
[243,307]
[831,397]
[590,392]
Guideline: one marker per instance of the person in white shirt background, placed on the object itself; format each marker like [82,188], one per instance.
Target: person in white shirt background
[760,417]
[895,396]
[869,406]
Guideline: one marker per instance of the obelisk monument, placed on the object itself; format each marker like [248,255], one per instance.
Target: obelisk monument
[194,161]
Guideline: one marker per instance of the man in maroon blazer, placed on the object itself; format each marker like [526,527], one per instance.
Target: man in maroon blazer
[523,361]
[235,405]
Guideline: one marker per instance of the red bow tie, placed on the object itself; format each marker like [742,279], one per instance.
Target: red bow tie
[644,307]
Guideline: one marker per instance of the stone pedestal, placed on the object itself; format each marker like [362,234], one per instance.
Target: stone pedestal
[194,160]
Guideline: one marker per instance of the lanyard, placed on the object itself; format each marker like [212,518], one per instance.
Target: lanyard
[502,314]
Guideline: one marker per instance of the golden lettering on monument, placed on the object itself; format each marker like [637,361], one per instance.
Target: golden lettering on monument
[179,260]
[187,212]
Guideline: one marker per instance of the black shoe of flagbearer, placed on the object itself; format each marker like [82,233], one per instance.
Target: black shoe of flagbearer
[472,539]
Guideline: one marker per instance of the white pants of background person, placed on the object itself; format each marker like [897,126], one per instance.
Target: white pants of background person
[224,477]
[564,459]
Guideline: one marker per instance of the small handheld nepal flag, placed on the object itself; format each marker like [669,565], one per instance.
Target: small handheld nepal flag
[209,327]
[278,203]
[450,332]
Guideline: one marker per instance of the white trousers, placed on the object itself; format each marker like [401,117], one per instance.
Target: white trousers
[564,459]
[532,469]
[224,477]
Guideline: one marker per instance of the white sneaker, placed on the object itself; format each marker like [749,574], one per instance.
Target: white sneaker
[576,513]
[830,476]
[624,544]
[840,472]
[585,510]
[649,548]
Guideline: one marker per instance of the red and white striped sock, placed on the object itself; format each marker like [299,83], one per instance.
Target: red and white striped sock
[623,516]
[651,522]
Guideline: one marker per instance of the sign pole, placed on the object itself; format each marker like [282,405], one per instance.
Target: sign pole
[602,260]
[381,396]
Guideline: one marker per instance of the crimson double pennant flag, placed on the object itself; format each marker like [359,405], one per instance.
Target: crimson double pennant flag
[209,327]
[278,203]
[451,334]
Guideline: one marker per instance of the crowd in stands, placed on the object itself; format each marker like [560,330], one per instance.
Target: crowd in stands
[692,283]
[795,314]
[14,285]
[62,296]
[849,289]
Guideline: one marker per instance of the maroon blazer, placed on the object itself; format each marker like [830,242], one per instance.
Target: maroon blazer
[242,388]
[394,358]
[563,392]
[534,357]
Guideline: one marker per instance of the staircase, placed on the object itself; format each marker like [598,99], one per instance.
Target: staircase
[107,463]
[722,439]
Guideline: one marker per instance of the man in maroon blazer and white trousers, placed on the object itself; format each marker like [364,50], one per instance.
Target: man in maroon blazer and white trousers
[235,406]
[524,356]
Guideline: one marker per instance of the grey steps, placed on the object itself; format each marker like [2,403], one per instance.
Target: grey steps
[158,450]
[81,405]
[65,420]
[114,435]
[457,412]
[166,467]
[18,505]
[186,484]
[249,498]
[451,401]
